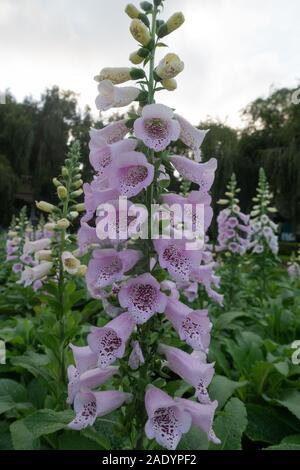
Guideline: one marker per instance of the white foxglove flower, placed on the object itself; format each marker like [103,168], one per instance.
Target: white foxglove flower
[112,96]
[38,245]
[70,263]
[30,275]
[191,136]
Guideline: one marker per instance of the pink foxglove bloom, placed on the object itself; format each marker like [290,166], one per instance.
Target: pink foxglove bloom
[294,267]
[101,156]
[37,285]
[191,369]
[38,245]
[263,235]
[111,96]
[29,275]
[202,416]
[193,326]
[108,266]
[112,133]
[109,342]
[157,126]
[130,173]
[90,405]
[136,357]
[94,198]
[17,267]
[167,420]
[189,290]
[233,231]
[90,379]
[170,288]
[202,174]
[86,236]
[142,297]
[189,206]
[191,136]
[176,258]
[84,358]
[114,223]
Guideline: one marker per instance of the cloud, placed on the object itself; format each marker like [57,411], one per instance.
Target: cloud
[233,50]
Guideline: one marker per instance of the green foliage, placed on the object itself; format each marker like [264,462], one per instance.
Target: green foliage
[230,426]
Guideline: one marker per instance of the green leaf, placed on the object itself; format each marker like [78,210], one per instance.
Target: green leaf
[226,319]
[282,367]
[76,441]
[22,438]
[291,400]
[6,404]
[33,362]
[293,439]
[13,389]
[222,388]
[26,432]
[45,421]
[230,425]
[195,439]
[5,438]
[284,446]
[269,424]
[11,394]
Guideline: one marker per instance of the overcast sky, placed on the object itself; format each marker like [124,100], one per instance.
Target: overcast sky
[233,50]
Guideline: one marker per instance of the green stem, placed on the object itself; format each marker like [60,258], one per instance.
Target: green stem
[145,330]
[61,288]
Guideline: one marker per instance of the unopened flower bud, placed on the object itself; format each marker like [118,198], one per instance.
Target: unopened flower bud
[56,182]
[80,207]
[138,56]
[272,210]
[169,84]
[140,32]
[173,23]
[82,270]
[146,6]
[45,206]
[74,214]
[62,192]
[77,184]
[132,11]
[169,66]
[50,226]
[77,193]
[64,171]
[63,224]
[222,202]
[119,75]
[43,255]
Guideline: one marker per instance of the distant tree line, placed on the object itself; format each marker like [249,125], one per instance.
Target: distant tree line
[34,137]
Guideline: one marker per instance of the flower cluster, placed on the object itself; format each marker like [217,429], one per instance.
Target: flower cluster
[48,253]
[233,225]
[26,247]
[130,160]
[294,267]
[263,230]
